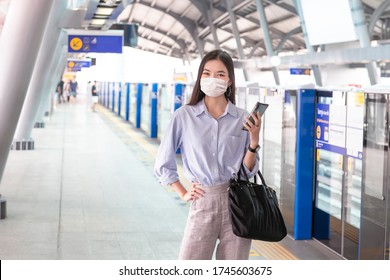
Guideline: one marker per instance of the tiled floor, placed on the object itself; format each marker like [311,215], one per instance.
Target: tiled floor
[87,191]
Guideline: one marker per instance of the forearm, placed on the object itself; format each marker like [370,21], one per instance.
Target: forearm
[250,160]
[179,189]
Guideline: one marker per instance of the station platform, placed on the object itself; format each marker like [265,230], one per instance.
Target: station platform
[87,192]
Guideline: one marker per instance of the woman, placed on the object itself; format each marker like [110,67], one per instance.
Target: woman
[213,145]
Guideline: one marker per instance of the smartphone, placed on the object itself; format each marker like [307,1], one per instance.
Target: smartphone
[259,107]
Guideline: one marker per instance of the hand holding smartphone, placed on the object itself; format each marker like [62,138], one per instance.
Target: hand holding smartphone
[259,107]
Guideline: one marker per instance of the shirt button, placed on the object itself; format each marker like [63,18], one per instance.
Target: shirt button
[213,154]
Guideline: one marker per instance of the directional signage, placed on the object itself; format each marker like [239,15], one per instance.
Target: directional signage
[95,43]
[330,129]
[299,71]
[75,65]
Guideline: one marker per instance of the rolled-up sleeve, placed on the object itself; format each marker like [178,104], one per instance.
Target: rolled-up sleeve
[165,167]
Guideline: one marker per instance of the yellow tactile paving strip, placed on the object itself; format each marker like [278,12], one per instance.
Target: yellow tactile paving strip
[272,251]
[266,250]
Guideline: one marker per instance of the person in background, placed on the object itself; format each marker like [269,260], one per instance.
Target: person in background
[94,96]
[208,131]
[66,93]
[73,90]
[60,91]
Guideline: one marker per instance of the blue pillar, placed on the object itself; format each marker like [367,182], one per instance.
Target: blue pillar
[305,160]
[153,111]
[138,106]
[113,97]
[127,101]
[119,99]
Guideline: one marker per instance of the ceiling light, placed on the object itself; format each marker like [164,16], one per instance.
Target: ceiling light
[110,2]
[98,21]
[104,11]
[275,60]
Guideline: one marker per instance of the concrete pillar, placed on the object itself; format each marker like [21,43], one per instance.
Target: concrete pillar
[19,45]
[55,71]
[36,91]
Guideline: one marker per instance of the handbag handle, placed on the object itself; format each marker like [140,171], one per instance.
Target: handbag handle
[270,191]
[246,176]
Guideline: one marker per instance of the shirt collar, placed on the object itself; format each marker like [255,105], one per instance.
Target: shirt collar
[200,108]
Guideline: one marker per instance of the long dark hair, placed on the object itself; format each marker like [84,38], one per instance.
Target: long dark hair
[223,56]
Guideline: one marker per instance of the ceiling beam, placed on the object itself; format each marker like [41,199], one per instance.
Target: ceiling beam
[342,57]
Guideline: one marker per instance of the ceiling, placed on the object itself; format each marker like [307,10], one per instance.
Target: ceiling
[184,28]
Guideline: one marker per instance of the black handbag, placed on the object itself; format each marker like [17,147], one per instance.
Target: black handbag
[254,210]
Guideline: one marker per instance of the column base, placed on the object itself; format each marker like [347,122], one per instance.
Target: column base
[3,208]
[23,145]
[39,125]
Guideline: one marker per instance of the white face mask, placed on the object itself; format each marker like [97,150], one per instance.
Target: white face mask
[213,87]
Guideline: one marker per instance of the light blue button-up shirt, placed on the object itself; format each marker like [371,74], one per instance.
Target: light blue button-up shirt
[212,149]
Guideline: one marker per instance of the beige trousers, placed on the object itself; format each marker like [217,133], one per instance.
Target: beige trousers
[208,222]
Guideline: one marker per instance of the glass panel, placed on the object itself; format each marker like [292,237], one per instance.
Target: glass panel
[241,97]
[106,93]
[253,95]
[354,146]
[387,241]
[146,108]
[187,93]
[272,132]
[375,173]
[289,130]
[330,164]
[133,102]
[352,204]
[123,100]
[287,191]
[329,182]
[353,180]
[354,188]
[165,103]
[376,140]
[115,97]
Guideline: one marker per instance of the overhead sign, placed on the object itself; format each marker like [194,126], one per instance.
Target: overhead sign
[300,71]
[95,43]
[75,65]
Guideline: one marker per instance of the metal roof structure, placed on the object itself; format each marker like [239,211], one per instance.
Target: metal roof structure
[184,27]
[189,28]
